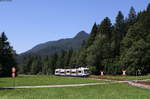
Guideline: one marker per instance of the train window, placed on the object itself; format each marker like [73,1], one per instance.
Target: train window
[57,72]
[73,72]
[79,71]
[68,71]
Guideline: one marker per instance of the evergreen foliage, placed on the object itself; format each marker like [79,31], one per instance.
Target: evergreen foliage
[124,45]
[132,16]
[7,56]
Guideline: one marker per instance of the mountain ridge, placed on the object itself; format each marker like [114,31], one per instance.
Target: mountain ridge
[51,47]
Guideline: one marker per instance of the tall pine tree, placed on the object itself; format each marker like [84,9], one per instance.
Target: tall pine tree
[118,33]
[7,56]
[132,17]
[100,49]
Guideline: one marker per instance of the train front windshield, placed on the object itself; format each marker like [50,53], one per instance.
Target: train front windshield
[86,71]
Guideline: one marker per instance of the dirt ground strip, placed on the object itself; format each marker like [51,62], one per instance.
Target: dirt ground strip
[140,84]
[143,83]
[137,83]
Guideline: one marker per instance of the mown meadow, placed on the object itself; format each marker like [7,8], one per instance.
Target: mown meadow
[109,91]
[33,80]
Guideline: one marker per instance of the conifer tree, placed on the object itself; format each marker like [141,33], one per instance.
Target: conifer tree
[100,49]
[92,36]
[7,56]
[132,16]
[61,58]
[53,63]
[118,33]
[83,52]
[148,7]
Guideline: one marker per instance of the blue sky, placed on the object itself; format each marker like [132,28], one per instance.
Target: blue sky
[30,22]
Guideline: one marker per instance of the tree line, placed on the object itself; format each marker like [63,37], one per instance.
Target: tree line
[124,45]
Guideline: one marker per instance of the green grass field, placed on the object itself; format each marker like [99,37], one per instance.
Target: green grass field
[108,91]
[43,80]
[111,91]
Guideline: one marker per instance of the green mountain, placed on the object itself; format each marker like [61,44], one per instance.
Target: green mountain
[52,47]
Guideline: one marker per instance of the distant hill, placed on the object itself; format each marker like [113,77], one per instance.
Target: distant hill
[52,47]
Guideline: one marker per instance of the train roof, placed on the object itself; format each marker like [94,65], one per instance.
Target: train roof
[80,68]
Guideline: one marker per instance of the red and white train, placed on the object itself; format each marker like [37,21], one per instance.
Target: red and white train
[80,72]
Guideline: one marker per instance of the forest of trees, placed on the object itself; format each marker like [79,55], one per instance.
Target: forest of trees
[124,45]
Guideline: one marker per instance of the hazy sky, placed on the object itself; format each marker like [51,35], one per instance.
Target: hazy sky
[30,22]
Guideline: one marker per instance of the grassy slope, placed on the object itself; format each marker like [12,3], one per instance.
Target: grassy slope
[43,80]
[111,91]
